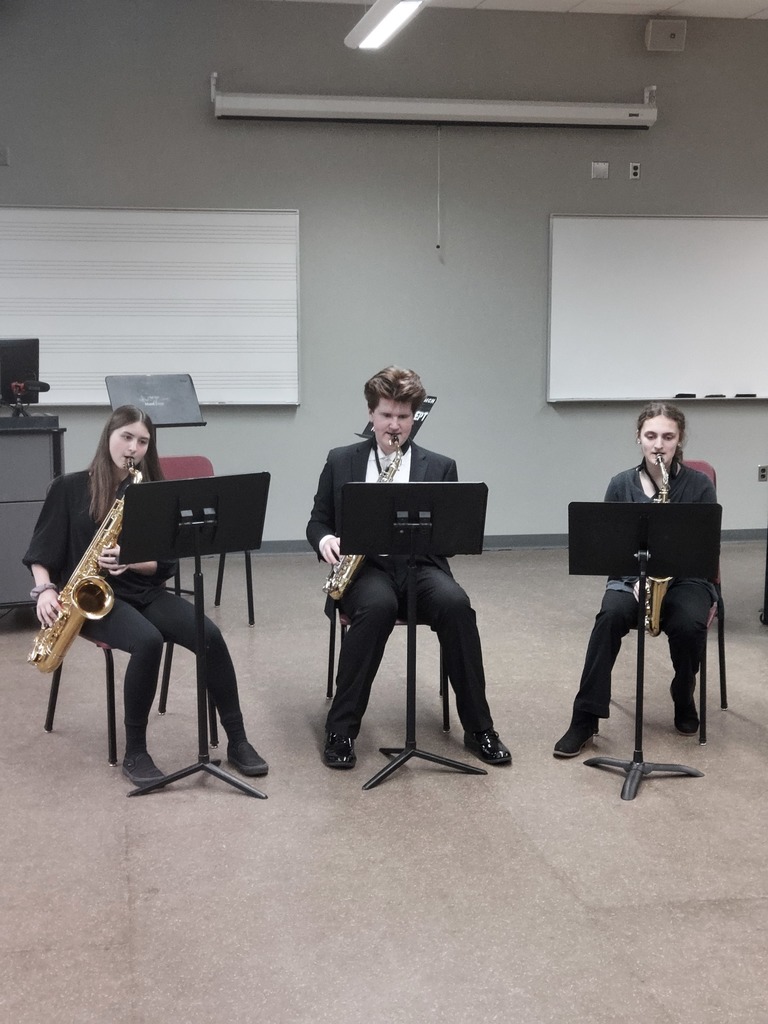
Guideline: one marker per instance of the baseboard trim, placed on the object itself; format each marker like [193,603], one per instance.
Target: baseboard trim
[497,542]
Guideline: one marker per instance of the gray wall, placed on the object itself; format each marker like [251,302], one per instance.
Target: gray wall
[106,103]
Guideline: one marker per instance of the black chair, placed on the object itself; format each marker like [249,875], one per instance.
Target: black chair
[110,684]
[717,612]
[344,623]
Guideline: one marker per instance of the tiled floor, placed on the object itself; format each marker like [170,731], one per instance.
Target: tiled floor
[532,894]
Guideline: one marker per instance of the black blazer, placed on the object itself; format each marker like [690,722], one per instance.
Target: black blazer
[348,464]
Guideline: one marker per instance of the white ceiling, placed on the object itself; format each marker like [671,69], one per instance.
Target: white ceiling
[661,8]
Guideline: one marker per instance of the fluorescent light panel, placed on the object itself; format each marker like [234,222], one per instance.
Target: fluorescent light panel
[381,22]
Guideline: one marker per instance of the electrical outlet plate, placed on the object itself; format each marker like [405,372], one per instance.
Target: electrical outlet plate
[762,474]
[634,171]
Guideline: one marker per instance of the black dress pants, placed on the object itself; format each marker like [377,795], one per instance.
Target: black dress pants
[684,616]
[374,601]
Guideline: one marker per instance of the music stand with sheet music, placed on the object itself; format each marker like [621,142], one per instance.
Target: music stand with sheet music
[182,518]
[418,419]
[413,519]
[169,399]
[621,539]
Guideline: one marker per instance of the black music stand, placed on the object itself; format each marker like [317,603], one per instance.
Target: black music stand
[170,399]
[183,518]
[412,520]
[621,539]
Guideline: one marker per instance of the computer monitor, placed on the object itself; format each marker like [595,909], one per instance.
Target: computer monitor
[19,365]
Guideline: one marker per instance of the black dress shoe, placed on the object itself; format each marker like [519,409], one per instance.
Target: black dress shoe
[141,770]
[581,730]
[244,757]
[339,751]
[488,746]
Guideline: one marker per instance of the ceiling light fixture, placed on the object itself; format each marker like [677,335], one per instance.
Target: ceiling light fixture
[381,22]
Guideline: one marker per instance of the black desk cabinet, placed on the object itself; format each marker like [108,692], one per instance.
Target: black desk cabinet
[29,459]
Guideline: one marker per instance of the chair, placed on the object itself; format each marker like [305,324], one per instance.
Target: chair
[110,682]
[344,623]
[717,612]
[192,467]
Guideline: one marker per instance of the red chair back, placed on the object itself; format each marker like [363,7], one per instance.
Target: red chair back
[185,467]
[703,467]
[708,470]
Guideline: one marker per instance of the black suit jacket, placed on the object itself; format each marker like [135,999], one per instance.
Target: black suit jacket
[348,464]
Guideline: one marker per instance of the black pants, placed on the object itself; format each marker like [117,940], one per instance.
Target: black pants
[141,632]
[373,602]
[684,616]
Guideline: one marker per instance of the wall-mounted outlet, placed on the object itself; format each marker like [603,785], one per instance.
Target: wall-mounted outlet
[762,474]
[634,171]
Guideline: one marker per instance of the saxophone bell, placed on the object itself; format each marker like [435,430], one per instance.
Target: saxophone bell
[86,595]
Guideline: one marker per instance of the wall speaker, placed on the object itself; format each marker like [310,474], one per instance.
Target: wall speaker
[665,34]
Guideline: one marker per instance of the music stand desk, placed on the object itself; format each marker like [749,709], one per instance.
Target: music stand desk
[631,539]
[414,519]
[205,516]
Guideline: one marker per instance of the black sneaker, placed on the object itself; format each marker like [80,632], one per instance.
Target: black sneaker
[581,730]
[244,757]
[141,770]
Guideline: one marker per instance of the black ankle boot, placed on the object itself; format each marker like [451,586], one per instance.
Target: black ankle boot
[581,730]
[686,715]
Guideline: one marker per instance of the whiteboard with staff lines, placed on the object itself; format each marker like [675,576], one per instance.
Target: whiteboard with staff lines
[210,293]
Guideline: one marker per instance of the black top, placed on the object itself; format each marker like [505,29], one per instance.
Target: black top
[350,463]
[685,485]
[64,531]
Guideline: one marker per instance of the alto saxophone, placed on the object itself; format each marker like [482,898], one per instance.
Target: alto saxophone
[87,595]
[341,574]
[656,586]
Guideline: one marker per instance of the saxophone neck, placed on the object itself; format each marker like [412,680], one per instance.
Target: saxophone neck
[134,473]
[663,495]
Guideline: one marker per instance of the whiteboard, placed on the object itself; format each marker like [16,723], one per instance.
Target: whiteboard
[657,307]
[209,293]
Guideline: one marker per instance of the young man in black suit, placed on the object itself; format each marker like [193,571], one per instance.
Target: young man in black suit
[376,596]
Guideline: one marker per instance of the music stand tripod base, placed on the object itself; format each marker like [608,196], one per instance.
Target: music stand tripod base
[211,767]
[400,755]
[637,770]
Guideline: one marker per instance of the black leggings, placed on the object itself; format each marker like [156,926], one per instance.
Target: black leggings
[141,632]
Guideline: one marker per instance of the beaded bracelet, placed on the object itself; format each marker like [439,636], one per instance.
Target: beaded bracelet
[35,592]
